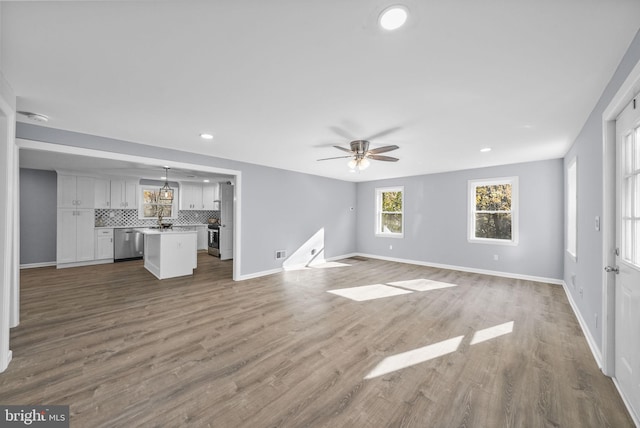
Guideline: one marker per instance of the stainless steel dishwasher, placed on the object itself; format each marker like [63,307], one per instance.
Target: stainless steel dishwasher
[128,244]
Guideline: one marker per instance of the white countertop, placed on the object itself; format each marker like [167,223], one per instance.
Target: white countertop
[175,230]
[146,227]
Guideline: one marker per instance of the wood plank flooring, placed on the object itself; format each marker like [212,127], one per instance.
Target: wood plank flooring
[124,349]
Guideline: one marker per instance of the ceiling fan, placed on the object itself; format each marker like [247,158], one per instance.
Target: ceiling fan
[361,154]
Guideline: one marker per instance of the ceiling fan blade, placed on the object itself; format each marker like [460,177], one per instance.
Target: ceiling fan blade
[384,133]
[341,132]
[383,149]
[343,149]
[383,158]
[339,157]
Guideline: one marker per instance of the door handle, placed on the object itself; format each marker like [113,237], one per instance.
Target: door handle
[614,269]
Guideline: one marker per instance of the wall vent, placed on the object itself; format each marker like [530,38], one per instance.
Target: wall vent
[281,254]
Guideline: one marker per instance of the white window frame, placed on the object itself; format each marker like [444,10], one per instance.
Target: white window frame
[379,212]
[471,224]
[572,209]
[174,203]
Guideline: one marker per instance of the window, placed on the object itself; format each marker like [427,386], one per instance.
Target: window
[493,215]
[389,212]
[572,208]
[151,206]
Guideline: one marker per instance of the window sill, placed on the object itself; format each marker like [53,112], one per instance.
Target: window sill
[390,235]
[511,243]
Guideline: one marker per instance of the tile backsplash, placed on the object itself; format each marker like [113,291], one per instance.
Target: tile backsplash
[130,218]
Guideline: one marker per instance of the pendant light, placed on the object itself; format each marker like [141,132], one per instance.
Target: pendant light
[166,192]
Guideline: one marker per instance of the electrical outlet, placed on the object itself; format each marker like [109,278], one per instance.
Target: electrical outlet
[313,252]
[391,247]
[496,257]
[581,295]
[281,254]
[573,280]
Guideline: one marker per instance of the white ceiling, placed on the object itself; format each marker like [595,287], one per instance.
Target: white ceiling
[279,82]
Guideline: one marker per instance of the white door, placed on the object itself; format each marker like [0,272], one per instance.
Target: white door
[627,289]
[226,221]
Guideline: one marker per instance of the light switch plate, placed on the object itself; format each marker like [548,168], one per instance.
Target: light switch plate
[598,222]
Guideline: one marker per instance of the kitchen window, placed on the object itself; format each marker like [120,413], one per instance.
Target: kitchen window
[390,212]
[493,211]
[152,207]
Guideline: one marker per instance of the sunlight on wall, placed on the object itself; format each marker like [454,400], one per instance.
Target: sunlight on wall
[309,253]
[415,356]
[492,332]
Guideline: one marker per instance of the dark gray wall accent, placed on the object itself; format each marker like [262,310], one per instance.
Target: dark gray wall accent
[588,149]
[38,212]
[280,209]
[436,207]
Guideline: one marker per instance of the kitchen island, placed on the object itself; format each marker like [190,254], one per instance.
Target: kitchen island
[169,253]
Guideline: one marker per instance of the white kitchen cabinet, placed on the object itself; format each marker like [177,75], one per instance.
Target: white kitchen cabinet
[196,196]
[102,193]
[209,195]
[104,244]
[75,191]
[190,196]
[75,236]
[124,194]
[203,237]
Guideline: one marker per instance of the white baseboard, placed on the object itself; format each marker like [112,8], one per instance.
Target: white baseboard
[8,360]
[597,355]
[466,269]
[259,274]
[37,265]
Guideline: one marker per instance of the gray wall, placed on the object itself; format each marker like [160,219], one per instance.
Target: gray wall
[280,209]
[38,209]
[436,221]
[588,148]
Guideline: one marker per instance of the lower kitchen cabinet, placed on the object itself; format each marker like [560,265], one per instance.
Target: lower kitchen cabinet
[203,237]
[104,244]
[75,236]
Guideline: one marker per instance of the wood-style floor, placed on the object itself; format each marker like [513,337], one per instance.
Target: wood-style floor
[124,349]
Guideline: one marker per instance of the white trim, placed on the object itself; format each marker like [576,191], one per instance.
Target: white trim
[280,270]
[572,184]
[621,99]
[583,326]
[378,210]
[237,209]
[553,281]
[471,219]
[37,265]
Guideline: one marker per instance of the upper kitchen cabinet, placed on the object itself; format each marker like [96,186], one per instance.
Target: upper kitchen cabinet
[124,194]
[75,191]
[210,194]
[196,196]
[102,193]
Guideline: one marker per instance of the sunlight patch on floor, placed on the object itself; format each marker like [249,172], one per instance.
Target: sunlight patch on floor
[492,332]
[369,292]
[415,356]
[328,265]
[422,284]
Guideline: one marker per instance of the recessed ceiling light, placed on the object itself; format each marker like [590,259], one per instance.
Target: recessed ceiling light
[206,136]
[35,116]
[485,149]
[393,17]
[206,181]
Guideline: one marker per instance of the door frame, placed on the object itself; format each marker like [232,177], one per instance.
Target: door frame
[237,205]
[621,99]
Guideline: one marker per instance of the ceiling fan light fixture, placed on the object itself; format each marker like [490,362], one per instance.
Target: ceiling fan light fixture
[393,17]
[363,164]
